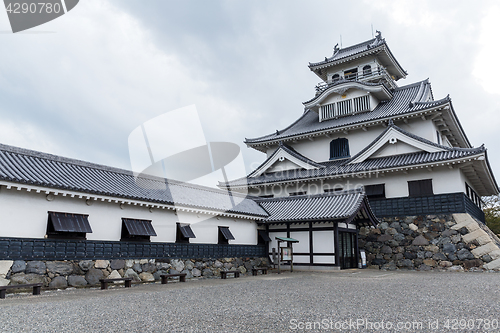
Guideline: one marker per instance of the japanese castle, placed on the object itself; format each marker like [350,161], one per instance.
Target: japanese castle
[363,147]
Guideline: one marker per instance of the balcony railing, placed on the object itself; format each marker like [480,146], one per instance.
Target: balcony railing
[320,87]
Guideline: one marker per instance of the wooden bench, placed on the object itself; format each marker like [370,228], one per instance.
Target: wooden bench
[36,288]
[104,282]
[256,270]
[164,277]
[223,274]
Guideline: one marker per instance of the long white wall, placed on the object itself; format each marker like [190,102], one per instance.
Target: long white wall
[24,214]
[444,180]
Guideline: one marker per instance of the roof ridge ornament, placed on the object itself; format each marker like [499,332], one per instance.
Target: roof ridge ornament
[391,122]
[378,35]
[336,49]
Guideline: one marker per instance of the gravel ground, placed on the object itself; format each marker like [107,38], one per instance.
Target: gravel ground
[289,302]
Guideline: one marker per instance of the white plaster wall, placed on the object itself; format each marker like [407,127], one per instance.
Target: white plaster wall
[303,238]
[297,259]
[274,243]
[445,180]
[24,214]
[423,128]
[323,241]
[207,231]
[319,149]
[397,148]
[282,166]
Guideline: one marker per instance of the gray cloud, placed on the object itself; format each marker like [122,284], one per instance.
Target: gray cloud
[112,65]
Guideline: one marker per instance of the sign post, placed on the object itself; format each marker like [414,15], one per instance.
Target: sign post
[286,253]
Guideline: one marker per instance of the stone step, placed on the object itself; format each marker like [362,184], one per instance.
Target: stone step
[464,220]
[484,249]
[495,264]
[478,235]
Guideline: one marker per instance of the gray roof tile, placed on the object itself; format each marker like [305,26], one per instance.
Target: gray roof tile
[340,167]
[403,102]
[327,206]
[35,168]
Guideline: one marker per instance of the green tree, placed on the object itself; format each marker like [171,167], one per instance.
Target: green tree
[492,213]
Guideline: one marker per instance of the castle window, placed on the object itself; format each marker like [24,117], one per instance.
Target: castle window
[137,230]
[367,70]
[419,188]
[335,78]
[361,103]
[339,148]
[438,137]
[263,237]
[293,194]
[336,188]
[68,226]
[225,235]
[184,233]
[344,107]
[351,74]
[375,191]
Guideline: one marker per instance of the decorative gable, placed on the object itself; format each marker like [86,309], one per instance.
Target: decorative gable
[395,141]
[283,159]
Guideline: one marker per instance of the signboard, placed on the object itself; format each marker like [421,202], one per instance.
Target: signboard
[286,253]
[363,258]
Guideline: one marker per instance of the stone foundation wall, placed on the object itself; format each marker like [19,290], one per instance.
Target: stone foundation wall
[81,273]
[454,242]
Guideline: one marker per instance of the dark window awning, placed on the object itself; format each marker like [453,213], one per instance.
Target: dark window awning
[139,227]
[226,233]
[186,231]
[66,222]
[264,235]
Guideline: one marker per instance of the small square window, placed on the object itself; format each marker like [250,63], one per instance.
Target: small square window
[68,226]
[225,235]
[184,233]
[420,188]
[137,230]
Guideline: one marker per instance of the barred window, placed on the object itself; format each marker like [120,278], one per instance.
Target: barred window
[367,70]
[419,188]
[339,148]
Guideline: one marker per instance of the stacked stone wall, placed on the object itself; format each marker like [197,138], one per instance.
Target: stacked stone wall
[455,242]
[81,273]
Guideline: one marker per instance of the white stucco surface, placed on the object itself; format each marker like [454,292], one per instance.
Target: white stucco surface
[27,216]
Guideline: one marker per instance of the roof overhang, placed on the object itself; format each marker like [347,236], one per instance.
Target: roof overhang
[478,172]
[380,172]
[392,136]
[382,52]
[279,156]
[421,113]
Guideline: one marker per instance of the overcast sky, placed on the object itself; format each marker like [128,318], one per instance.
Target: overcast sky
[79,85]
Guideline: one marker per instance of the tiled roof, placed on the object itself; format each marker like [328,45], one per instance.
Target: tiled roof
[40,169]
[298,155]
[341,167]
[411,135]
[343,81]
[404,101]
[327,206]
[351,50]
